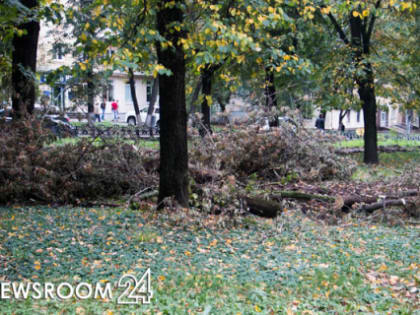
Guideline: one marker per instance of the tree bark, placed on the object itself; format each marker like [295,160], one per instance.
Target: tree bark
[134,95]
[173,181]
[270,89]
[153,98]
[341,116]
[366,88]
[194,97]
[24,58]
[206,77]
[91,97]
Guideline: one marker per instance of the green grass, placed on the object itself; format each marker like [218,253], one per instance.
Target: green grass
[99,124]
[152,144]
[390,165]
[381,142]
[248,268]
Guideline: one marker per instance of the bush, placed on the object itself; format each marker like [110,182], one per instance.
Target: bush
[30,170]
[282,152]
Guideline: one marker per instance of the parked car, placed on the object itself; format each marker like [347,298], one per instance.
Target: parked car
[59,125]
[131,118]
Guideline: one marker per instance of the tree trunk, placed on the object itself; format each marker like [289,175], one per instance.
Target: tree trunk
[173,171]
[193,105]
[366,87]
[367,95]
[134,95]
[341,116]
[153,98]
[91,97]
[205,107]
[24,57]
[270,89]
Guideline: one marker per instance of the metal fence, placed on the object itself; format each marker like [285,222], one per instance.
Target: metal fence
[351,135]
[119,132]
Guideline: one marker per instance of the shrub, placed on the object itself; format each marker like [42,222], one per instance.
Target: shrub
[283,152]
[30,170]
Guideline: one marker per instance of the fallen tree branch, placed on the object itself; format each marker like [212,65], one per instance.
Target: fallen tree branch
[382,204]
[302,195]
[263,207]
[349,201]
[345,204]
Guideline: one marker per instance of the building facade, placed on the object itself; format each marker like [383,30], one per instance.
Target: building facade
[52,56]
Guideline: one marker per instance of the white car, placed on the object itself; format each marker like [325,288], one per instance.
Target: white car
[131,118]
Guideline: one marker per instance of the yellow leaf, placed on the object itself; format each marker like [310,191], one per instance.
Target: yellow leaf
[209,102]
[161,278]
[382,268]
[355,14]
[257,309]
[83,37]
[37,265]
[187,253]
[286,57]
[326,10]
[365,12]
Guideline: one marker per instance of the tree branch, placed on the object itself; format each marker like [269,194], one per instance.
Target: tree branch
[338,29]
[372,22]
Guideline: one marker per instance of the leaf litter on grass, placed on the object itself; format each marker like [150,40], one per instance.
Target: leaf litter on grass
[214,264]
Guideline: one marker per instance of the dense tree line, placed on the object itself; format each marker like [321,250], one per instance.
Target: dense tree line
[202,51]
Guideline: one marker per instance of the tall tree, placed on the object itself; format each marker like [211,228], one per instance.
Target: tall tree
[132,83]
[24,62]
[173,114]
[360,19]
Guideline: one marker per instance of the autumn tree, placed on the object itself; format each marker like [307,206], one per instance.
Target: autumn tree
[173,115]
[24,52]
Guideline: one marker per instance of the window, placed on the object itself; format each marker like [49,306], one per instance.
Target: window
[348,116]
[149,90]
[58,52]
[128,98]
[358,116]
[110,52]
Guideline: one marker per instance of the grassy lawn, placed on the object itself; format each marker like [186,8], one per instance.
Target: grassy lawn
[381,142]
[255,266]
[153,144]
[99,124]
[390,164]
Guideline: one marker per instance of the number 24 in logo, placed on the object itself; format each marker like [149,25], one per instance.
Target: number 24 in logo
[136,290]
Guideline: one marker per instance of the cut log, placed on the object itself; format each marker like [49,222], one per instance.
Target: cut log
[302,195]
[383,204]
[263,207]
[349,201]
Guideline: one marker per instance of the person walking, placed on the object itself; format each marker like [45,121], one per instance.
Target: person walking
[103,107]
[114,106]
[96,112]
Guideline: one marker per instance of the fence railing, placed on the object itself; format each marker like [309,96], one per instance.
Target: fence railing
[352,134]
[120,132]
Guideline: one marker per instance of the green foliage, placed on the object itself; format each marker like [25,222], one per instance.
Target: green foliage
[249,267]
